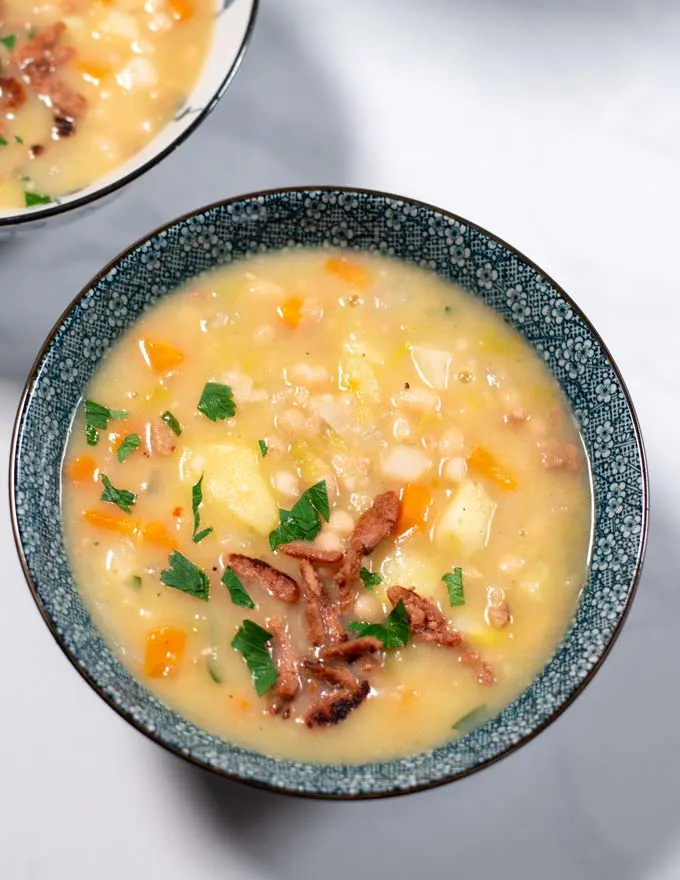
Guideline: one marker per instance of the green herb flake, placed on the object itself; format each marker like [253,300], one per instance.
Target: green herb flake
[9,41]
[473,719]
[213,673]
[239,594]
[448,310]
[196,501]
[122,497]
[172,423]
[251,640]
[393,633]
[303,521]
[128,446]
[217,402]
[370,579]
[19,140]
[97,419]
[3,142]
[136,582]
[32,199]
[454,584]
[264,449]
[185,576]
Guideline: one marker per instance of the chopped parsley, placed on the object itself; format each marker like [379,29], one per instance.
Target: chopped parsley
[393,633]
[251,640]
[136,582]
[3,142]
[454,584]
[217,402]
[9,41]
[471,720]
[128,446]
[18,140]
[264,449]
[303,521]
[97,419]
[196,501]
[239,594]
[185,576]
[370,579]
[122,497]
[32,199]
[172,423]
[213,673]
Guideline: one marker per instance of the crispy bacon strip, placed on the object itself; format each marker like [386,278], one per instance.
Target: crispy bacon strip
[300,550]
[278,584]
[337,675]
[12,95]
[372,526]
[335,707]
[288,682]
[351,651]
[425,619]
[323,617]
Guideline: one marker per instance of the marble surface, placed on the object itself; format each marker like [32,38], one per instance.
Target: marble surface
[552,124]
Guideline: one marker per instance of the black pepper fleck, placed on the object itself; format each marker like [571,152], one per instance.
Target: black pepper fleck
[407,385]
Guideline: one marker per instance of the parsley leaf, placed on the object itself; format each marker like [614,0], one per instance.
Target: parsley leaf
[9,41]
[97,419]
[136,582]
[370,579]
[3,142]
[172,423]
[473,719]
[239,594]
[196,501]
[393,633]
[121,497]
[185,576]
[18,140]
[32,199]
[251,640]
[303,521]
[217,402]
[213,673]
[264,449]
[128,446]
[454,584]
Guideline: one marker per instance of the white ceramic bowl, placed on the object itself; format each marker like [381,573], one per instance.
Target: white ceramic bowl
[235,20]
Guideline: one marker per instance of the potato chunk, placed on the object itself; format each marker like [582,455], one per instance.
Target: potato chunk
[468,517]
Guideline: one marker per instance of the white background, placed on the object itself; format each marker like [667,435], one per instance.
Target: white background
[555,124]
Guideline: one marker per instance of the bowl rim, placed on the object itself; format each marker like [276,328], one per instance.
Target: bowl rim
[267,786]
[27,216]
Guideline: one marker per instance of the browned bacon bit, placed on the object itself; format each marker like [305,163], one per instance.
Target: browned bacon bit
[63,127]
[338,675]
[351,651]
[278,584]
[497,611]
[425,619]
[558,456]
[323,617]
[300,550]
[515,417]
[12,95]
[288,683]
[337,706]
[160,438]
[36,150]
[485,674]
[372,526]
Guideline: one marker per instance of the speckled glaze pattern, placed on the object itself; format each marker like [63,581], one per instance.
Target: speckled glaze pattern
[364,221]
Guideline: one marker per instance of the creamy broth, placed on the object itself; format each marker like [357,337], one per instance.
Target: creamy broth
[368,376]
[85,85]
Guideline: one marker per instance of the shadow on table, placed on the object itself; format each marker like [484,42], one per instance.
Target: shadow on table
[598,796]
[281,123]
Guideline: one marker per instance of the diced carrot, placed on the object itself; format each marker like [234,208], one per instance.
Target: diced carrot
[164,651]
[414,509]
[290,311]
[350,271]
[93,70]
[177,512]
[481,462]
[112,522]
[182,10]
[115,440]
[82,469]
[155,533]
[160,356]
[407,698]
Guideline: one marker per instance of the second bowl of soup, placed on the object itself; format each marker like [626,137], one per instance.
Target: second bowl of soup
[334,496]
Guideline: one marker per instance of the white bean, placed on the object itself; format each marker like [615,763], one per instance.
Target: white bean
[294,423]
[454,470]
[511,563]
[309,375]
[311,311]
[286,483]
[417,400]
[328,540]
[401,429]
[404,463]
[451,443]
[352,473]
[341,522]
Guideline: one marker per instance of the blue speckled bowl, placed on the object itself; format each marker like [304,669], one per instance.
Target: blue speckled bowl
[366,221]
